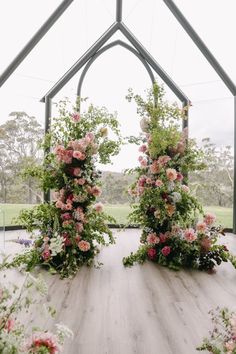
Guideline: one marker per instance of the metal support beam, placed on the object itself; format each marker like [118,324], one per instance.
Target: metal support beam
[201,45]
[104,49]
[157,68]
[34,40]
[48,113]
[186,114]
[118,10]
[234,192]
[83,60]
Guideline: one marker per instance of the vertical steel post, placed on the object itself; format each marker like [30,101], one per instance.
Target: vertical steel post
[48,113]
[234,191]
[118,10]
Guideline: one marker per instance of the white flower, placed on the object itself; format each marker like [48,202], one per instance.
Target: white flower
[176,197]
[144,124]
[56,244]
[63,332]
[170,186]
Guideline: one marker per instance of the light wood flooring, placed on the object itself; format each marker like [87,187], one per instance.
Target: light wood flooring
[146,309]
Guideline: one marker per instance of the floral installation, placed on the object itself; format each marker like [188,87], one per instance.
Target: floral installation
[161,200]
[223,335]
[15,336]
[73,224]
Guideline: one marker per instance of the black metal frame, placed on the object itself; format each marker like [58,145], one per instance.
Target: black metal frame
[148,61]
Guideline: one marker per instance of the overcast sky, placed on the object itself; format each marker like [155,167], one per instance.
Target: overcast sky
[109,78]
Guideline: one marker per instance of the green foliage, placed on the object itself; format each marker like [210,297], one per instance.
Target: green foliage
[71,227]
[162,202]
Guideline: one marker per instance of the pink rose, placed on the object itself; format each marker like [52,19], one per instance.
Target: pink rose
[201,227]
[152,253]
[142,148]
[59,150]
[158,183]
[75,117]
[153,239]
[209,218]
[171,174]
[46,253]
[190,235]
[155,167]
[149,180]
[81,181]
[166,251]
[76,171]
[142,181]
[143,163]
[185,188]
[66,216]
[96,191]
[84,246]
[78,155]
[163,160]
[98,207]
[59,204]
[163,237]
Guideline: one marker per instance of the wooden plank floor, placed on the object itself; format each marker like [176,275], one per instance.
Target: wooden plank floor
[145,309]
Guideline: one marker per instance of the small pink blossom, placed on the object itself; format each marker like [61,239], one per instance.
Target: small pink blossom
[201,227]
[155,167]
[149,180]
[59,204]
[158,183]
[96,191]
[171,174]
[143,163]
[84,246]
[59,150]
[66,216]
[46,254]
[75,117]
[152,253]
[76,171]
[179,176]
[185,188]
[163,160]
[90,137]
[10,324]
[81,181]
[79,227]
[153,239]
[166,251]
[98,207]
[209,218]
[78,155]
[142,148]
[163,237]
[190,235]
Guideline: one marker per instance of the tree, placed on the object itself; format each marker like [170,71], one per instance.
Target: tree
[19,143]
[214,185]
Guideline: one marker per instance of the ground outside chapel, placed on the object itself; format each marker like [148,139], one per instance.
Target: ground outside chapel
[143,309]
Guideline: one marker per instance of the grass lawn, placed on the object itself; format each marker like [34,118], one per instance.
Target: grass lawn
[119,212]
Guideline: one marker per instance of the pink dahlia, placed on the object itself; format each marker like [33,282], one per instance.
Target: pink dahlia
[98,207]
[166,251]
[158,183]
[75,117]
[153,239]
[171,174]
[84,246]
[142,148]
[151,253]
[190,235]
[209,218]
[155,167]
[201,227]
